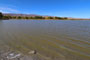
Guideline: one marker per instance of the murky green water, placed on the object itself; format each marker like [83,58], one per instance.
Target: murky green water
[53,39]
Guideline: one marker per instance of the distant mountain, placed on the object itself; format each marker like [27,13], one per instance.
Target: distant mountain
[23,15]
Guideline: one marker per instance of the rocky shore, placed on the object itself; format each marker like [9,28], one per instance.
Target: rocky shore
[12,55]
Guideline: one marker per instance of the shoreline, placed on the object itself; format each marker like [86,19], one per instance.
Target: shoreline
[44,19]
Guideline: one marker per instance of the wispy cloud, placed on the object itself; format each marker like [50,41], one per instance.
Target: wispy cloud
[8,10]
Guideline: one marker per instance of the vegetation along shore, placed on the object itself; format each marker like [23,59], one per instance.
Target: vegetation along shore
[6,16]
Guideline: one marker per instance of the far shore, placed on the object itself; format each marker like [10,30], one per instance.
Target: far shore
[44,19]
[9,16]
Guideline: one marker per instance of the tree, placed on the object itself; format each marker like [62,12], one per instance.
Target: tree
[26,17]
[38,17]
[14,17]
[58,18]
[31,17]
[49,17]
[1,15]
[65,18]
[10,17]
[19,17]
[5,17]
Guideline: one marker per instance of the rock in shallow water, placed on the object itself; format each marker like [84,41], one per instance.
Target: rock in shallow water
[14,56]
[33,52]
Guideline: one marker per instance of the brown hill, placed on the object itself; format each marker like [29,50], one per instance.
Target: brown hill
[23,15]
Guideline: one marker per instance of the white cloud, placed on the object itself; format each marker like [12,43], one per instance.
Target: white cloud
[8,10]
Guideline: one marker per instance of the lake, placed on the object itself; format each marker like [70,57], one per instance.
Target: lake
[52,39]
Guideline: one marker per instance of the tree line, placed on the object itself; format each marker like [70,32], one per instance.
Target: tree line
[25,17]
[1,15]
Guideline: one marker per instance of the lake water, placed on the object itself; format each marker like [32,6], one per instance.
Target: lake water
[52,39]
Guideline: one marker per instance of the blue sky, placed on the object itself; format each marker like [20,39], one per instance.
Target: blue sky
[62,8]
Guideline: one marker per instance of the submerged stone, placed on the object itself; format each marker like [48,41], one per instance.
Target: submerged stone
[13,55]
[33,52]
